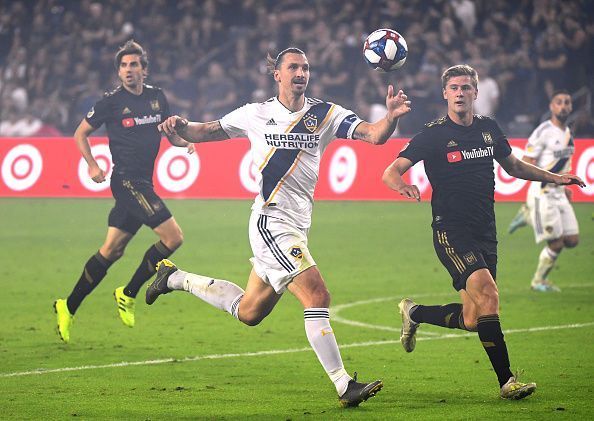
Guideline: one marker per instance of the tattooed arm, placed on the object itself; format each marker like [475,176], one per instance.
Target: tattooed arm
[176,127]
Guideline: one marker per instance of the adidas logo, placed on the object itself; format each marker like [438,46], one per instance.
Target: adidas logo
[126,111]
[452,143]
[271,122]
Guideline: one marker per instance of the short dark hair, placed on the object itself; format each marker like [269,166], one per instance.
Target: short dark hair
[459,70]
[274,63]
[131,47]
[559,92]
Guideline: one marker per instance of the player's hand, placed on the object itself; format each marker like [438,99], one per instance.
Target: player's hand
[191,148]
[398,104]
[97,174]
[172,125]
[410,192]
[568,179]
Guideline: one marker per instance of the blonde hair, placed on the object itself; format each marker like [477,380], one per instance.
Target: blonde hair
[459,70]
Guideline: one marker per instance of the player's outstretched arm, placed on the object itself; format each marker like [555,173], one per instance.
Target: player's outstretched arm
[378,133]
[81,136]
[522,169]
[190,131]
[393,179]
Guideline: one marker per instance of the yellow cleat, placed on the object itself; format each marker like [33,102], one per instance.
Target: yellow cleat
[64,319]
[515,390]
[126,306]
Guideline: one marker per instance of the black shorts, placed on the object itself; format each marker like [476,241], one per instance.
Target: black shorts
[136,203]
[463,252]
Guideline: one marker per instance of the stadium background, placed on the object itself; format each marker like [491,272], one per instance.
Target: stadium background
[185,360]
[56,60]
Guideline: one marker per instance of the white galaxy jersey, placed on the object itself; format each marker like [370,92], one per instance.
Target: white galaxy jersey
[286,148]
[552,149]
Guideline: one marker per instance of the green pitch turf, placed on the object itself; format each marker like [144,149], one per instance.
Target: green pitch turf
[186,360]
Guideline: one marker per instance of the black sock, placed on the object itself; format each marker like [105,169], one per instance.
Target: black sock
[447,315]
[93,272]
[153,255]
[491,336]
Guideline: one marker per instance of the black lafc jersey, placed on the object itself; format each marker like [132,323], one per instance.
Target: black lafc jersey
[459,163]
[131,122]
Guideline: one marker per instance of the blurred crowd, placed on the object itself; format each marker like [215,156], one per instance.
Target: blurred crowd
[209,56]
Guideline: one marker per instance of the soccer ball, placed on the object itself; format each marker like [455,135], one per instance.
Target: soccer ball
[385,50]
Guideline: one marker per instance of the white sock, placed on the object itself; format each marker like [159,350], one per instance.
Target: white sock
[322,340]
[546,261]
[221,294]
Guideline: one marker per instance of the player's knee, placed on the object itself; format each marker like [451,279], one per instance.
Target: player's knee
[112,253]
[320,297]
[250,318]
[488,301]
[174,242]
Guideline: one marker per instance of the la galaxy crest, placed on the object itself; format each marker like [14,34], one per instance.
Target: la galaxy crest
[310,122]
[296,252]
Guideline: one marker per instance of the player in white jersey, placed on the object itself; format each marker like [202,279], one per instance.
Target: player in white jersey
[288,135]
[548,209]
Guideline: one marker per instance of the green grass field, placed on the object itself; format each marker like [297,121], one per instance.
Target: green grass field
[186,360]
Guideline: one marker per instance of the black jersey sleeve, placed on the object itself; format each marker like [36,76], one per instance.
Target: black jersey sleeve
[166,110]
[99,113]
[416,149]
[502,147]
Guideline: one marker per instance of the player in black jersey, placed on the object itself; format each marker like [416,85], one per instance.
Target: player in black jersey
[131,114]
[458,152]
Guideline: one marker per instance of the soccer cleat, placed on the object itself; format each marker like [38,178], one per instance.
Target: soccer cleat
[358,392]
[409,327]
[544,286]
[125,306]
[159,285]
[519,220]
[64,319]
[515,390]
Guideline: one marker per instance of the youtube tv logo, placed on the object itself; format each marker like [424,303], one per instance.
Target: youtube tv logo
[128,122]
[454,156]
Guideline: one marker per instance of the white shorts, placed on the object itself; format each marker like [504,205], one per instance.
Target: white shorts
[280,250]
[551,214]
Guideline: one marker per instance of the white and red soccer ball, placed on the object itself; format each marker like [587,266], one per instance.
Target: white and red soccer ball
[385,50]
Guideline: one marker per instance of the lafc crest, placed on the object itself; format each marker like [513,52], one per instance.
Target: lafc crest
[155,105]
[487,138]
[310,122]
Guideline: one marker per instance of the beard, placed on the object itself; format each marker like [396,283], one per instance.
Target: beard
[562,117]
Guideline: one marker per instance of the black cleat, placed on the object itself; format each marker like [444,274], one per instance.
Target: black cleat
[159,285]
[359,392]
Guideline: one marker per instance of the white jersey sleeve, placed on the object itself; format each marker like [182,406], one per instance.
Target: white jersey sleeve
[236,123]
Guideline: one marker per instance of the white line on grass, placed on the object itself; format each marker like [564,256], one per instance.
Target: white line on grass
[274,351]
[335,310]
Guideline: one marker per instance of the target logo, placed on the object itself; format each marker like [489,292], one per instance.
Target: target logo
[585,170]
[248,173]
[177,170]
[418,177]
[504,183]
[102,155]
[343,169]
[22,167]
